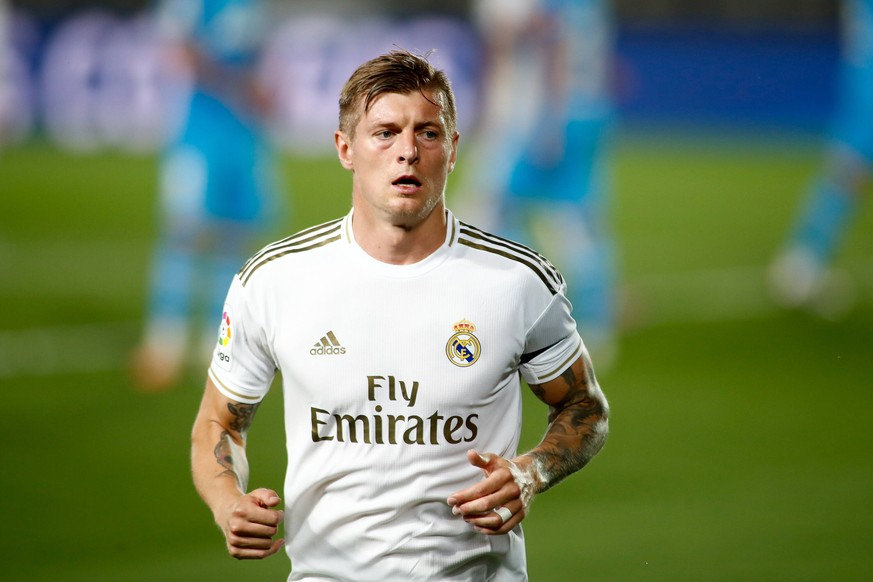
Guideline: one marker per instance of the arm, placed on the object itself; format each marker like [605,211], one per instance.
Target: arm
[220,470]
[578,427]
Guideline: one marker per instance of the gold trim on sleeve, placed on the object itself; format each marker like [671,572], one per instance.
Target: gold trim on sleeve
[224,387]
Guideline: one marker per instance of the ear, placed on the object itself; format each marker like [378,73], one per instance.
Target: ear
[343,149]
[454,156]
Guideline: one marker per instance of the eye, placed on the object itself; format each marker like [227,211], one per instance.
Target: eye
[431,134]
[384,134]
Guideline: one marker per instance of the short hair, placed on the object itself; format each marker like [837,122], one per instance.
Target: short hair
[398,71]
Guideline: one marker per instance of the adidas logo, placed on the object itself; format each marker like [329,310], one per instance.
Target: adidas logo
[327,345]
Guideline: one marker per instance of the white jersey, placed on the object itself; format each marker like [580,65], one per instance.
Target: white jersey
[390,373]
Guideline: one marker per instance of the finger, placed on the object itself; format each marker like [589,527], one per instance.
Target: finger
[251,510]
[494,524]
[482,488]
[488,516]
[490,464]
[478,459]
[492,519]
[498,489]
[482,506]
[245,530]
[479,489]
[266,497]
[277,545]
[248,535]
[245,553]
[501,529]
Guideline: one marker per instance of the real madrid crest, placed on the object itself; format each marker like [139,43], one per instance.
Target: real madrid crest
[463,348]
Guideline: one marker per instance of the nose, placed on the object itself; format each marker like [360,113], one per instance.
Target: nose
[408,149]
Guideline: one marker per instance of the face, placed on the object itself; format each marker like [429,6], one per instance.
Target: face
[401,157]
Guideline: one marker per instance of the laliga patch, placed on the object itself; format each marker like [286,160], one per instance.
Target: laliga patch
[224,349]
[463,348]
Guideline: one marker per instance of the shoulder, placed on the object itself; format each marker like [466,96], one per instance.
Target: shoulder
[305,241]
[501,251]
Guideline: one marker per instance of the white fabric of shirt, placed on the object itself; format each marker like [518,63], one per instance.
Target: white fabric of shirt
[378,421]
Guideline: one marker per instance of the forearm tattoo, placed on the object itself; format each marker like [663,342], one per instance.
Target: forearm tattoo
[578,425]
[228,453]
[243,415]
[224,454]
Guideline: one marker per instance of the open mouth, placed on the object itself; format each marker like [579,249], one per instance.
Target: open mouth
[406,181]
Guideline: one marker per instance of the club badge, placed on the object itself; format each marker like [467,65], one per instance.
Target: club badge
[463,348]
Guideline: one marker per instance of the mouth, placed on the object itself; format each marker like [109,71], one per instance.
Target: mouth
[407,181]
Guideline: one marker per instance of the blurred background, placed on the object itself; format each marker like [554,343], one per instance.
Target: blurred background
[764,65]
[740,445]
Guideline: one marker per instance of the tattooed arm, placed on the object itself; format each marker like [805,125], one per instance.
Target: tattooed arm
[578,426]
[220,470]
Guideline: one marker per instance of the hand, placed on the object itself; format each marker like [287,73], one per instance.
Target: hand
[249,525]
[506,485]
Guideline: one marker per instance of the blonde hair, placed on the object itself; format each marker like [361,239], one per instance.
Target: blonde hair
[398,71]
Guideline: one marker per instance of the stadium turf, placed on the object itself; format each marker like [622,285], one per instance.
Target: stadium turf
[740,446]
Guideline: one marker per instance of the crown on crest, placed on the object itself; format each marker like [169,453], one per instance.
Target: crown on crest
[464,325]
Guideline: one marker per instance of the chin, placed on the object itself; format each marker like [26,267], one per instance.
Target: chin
[424,211]
[415,208]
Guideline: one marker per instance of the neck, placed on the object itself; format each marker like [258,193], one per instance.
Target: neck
[399,243]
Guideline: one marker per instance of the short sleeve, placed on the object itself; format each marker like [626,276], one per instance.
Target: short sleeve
[552,344]
[242,365]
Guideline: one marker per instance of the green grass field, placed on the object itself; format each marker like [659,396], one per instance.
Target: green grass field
[740,449]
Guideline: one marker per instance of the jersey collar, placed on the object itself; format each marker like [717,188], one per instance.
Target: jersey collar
[402,271]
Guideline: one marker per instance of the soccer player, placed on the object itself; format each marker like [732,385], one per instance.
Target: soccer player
[218,180]
[545,145]
[801,276]
[401,334]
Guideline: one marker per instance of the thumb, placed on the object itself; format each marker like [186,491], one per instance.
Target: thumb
[277,545]
[477,459]
[266,497]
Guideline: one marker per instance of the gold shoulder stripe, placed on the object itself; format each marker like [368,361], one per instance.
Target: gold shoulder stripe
[484,241]
[303,241]
[296,237]
[480,234]
[244,278]
[512,257]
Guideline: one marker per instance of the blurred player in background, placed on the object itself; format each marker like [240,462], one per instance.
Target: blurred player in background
[543,144]
[802,275]
[218,179]
[5,49]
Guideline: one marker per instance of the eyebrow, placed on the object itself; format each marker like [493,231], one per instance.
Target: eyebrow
[429,124]
[385,123]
